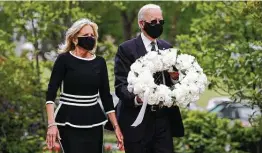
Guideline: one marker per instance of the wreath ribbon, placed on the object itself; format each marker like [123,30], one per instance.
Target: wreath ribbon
[141,114]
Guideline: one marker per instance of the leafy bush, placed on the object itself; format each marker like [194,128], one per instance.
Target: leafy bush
[21,107]
[206,133]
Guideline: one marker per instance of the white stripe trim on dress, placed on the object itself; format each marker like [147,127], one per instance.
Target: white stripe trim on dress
[78,100]
[79,96]
[82,126]
[110,111]
[61,145]
[73,104]
[57,109]
[49,102]
[62,87]
[87,59]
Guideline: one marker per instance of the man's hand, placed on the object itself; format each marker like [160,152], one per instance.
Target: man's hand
[139,100]
[174,75]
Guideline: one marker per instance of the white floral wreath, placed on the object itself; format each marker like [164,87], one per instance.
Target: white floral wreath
[190,84]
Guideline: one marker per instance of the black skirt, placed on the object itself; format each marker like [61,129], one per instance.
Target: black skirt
[81,140]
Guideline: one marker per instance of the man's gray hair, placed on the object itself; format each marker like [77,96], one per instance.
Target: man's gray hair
[145,8]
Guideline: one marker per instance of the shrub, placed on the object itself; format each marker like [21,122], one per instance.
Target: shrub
[206,133]
[21,107]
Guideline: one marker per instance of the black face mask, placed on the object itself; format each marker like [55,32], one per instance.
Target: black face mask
[153,30]
[88,43]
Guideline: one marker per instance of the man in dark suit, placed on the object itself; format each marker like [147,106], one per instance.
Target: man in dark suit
[154,134]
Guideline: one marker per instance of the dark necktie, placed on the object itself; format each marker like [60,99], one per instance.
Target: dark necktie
[158,75]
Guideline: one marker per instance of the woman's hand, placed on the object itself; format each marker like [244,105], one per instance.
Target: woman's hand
[52,135]
[120,138]
[119,135]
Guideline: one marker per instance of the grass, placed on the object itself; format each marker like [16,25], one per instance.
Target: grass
[109,137]
[207,95]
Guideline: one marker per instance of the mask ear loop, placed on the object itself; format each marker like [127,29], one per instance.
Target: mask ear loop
[75,41]
[92,52]
[140,24]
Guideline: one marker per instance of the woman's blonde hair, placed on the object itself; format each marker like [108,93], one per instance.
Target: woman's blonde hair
[72,33]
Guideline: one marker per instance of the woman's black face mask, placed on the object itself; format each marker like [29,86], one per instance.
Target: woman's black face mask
[86,42]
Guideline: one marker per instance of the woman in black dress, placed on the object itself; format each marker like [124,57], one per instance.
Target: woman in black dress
[81,76]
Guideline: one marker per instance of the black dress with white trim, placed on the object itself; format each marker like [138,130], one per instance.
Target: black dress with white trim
[80,80]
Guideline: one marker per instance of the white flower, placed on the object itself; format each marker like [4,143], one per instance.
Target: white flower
[132,78]
[164,94]
[168,102]
[164,52]
[203,79]
[169,58]
[151,56]
[137,67]
[191,77]
[181,76]
[194,90]
[180,93]
[146,78]
[152,98]
[191,83]
[139,88]
[130,88]
[158,65]
[197,67]
[184,61]
[149,65]
[174,50]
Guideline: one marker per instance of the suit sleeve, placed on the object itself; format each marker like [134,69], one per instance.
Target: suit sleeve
[122,67]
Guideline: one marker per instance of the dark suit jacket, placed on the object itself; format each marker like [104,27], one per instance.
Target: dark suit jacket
[127,111]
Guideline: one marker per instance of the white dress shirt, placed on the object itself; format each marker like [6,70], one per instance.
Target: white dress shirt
[147,43]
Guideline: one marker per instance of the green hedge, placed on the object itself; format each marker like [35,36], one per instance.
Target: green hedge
[206,133]
[22,124]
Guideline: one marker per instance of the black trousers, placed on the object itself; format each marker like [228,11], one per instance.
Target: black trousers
[81,140]
[157,138]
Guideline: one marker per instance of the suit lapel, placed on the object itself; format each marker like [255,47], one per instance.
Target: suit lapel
[160,45]
[140,47]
